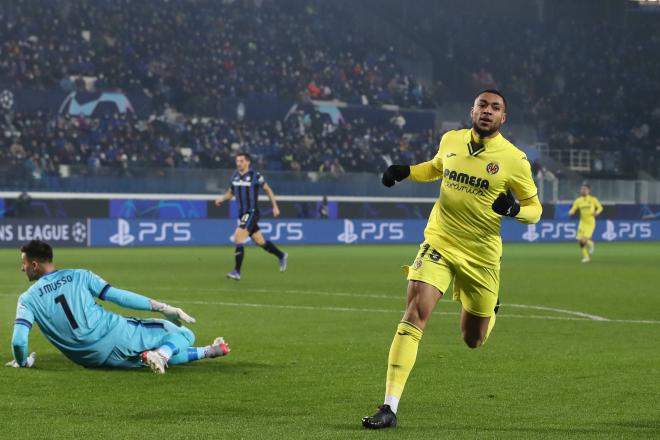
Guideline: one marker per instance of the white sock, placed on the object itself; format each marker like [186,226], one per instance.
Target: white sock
[393,402]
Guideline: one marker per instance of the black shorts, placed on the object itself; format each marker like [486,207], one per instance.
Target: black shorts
[249,221]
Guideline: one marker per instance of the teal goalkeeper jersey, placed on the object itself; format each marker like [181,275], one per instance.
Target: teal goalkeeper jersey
[62,304]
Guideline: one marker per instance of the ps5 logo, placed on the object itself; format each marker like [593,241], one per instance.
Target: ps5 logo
[550,231]
[382,230]
[531,234]
[626,230]
[291,231]
[151,231]
[123,236]
[349,235]
[377,231]
[610,233]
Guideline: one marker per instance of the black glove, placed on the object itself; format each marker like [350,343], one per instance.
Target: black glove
[395,173]
[506,204]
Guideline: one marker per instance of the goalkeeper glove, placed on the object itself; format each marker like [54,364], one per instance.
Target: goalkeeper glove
[395,173]
[174,314]
[506,204]
[29,362]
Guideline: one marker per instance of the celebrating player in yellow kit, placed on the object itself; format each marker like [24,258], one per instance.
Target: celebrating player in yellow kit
[589,208]
[479,168]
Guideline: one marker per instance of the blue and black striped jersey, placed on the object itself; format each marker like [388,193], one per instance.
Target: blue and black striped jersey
[246,189]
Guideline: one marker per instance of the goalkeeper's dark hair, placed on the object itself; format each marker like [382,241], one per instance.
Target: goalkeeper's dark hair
[494,92]
[38,250]
[246,156]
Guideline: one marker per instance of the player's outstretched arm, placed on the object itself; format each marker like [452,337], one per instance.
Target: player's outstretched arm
[395,173]
[422,172]
[136,301]
[425,172]
[530,211]
[527,211]
[19,344]
[174,314]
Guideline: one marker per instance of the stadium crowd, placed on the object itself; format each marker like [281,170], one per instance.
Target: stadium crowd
[39,144]
[581,86]
[191,53]
[188,52]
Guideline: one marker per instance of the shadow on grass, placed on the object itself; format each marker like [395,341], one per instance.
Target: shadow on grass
[205,365]
[426,430]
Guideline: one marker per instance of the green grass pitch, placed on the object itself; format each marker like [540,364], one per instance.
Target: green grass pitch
[574,354]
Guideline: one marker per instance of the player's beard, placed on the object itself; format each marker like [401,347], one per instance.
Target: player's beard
[32,276]
[483,132]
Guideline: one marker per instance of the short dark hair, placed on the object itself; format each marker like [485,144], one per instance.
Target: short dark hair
[38,250]
[494,92]
[586,184]
[246,156]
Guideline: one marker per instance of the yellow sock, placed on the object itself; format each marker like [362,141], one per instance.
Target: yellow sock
[403,354]
[491,324]
[585,252]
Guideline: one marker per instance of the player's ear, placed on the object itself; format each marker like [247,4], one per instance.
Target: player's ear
[503,117]
[471,112]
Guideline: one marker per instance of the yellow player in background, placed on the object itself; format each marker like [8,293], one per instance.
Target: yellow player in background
[479,169]
[589,208]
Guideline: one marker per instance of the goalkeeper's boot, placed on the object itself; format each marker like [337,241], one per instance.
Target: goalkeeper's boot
[234,275]
[585,259]
[283,261]
[220,347]
[156,361]
[384,418]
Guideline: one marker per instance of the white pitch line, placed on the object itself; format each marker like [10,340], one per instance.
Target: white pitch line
[365,295]
[288,306]
[577,316]
[292,291]
[398,298]
[351,309]
[551,309]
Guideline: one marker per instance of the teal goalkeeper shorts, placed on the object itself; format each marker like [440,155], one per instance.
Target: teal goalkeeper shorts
[141,335]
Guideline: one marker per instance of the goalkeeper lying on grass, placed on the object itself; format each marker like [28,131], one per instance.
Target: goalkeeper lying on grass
[62,304]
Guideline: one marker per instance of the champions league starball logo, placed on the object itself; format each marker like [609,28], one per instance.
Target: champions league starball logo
[6,100]
[79,232]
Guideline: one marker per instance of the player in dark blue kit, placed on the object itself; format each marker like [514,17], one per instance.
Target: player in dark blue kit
[245,184]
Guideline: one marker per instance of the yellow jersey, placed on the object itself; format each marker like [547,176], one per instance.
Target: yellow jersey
[462,222]
[589,208]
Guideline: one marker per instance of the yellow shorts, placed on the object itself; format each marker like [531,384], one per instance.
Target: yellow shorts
[585,231]
[475,287]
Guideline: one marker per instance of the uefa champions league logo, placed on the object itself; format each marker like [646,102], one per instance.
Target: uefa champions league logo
[6,99]
[79,232]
